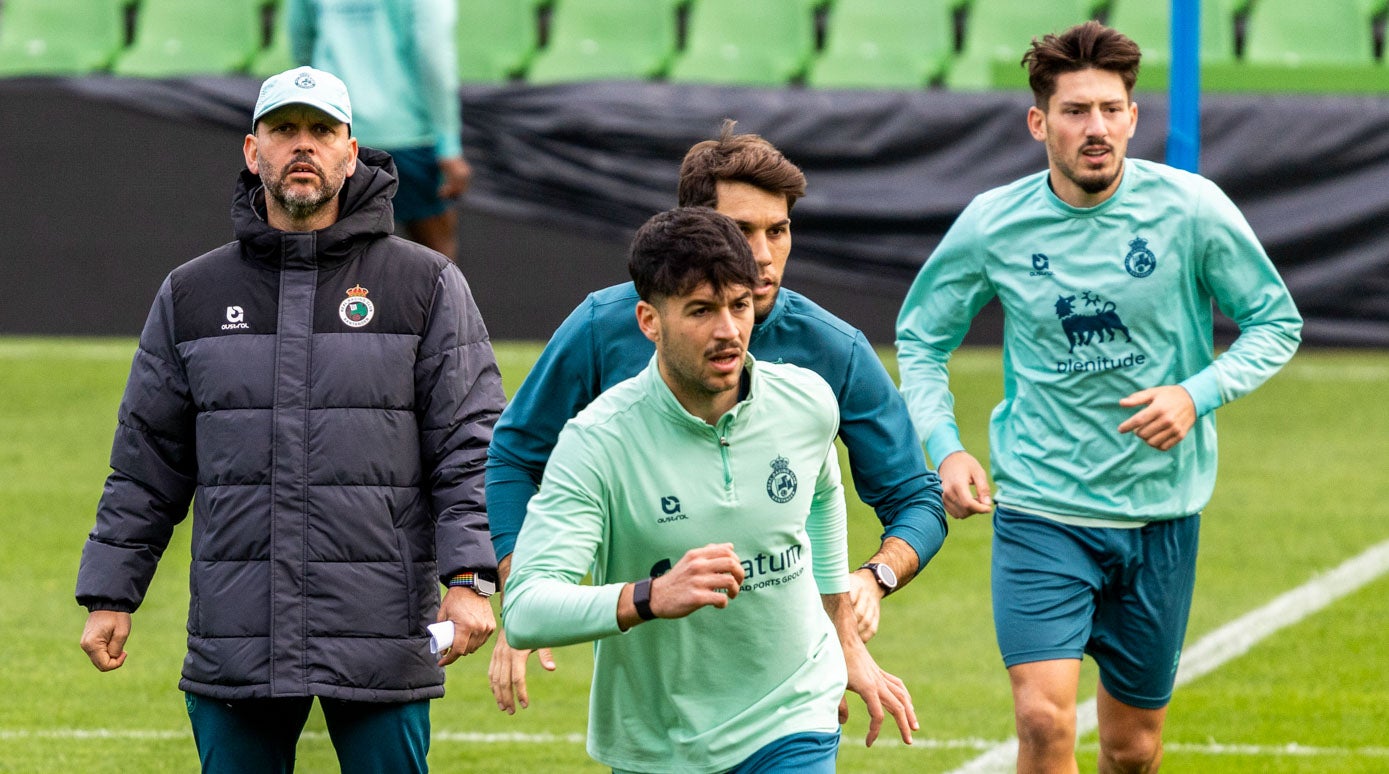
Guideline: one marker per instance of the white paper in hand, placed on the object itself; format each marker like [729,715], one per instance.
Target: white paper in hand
[440,636]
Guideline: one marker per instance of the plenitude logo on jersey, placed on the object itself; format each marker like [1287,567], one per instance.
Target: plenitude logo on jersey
[356,310]
[781,485]
[1089,323]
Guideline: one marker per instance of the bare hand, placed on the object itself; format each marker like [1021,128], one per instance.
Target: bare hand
[883,694]
[103,638]
[958,473]
[1169,415]
[473,622]
[866,596]
[507,674]
[458,175]
[704,576]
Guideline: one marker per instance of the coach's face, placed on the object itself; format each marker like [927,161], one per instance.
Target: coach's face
[1086,127]
[701,339]
[763,217]
[303,156]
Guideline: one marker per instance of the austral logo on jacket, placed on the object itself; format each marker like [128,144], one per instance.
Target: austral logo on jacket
[781,485]
[356,310]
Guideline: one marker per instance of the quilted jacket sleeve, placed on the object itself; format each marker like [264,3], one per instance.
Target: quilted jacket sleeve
[153,472]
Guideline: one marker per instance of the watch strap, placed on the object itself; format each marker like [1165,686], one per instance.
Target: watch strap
[641,599]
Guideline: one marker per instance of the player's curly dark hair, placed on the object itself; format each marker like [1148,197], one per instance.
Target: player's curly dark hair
[742,158]
[1085,46]
[678,250]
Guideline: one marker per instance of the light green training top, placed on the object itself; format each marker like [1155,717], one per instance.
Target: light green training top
[1098,303]
[634,482]
[398,60]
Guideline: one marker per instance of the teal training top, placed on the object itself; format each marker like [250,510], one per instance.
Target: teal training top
[1098,303]
[634,482]
[397,59]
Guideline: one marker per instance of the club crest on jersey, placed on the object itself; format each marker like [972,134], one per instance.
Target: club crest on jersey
[1140,261]
[356,310]
[781,485]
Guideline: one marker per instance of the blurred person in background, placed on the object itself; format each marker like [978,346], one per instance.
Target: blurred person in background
[398,60]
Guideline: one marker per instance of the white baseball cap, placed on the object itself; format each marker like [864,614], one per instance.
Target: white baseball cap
[304,86]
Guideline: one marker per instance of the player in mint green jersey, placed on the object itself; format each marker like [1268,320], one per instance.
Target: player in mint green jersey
[1103,449]
[703,492]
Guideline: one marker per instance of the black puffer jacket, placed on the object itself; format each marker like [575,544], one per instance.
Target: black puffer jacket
[326,400]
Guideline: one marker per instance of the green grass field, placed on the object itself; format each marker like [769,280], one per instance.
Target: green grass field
[1303,487]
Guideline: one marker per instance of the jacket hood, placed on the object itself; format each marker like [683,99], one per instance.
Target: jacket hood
[365,213]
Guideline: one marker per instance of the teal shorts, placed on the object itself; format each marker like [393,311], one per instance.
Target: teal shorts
[1120,595]
[417,193]
[807,752]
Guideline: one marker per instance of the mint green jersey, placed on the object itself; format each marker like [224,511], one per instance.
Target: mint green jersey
[633,483]
[1098,303]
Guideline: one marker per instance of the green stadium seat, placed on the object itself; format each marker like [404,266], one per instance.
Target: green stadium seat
[59,37]
[1295,46]
[496,40]
[997,32]
[606,40]
[747,43]
[189,37]
[1149,23]
[885,44]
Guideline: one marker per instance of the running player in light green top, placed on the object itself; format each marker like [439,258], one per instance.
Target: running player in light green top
[704,490]
[1104,448]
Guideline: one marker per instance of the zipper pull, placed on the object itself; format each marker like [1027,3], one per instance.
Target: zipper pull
[723,440]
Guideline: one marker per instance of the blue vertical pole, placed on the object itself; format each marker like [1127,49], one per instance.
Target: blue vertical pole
[1184,93]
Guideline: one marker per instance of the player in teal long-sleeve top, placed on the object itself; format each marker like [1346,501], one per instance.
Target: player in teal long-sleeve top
[599,345]
[1103,449]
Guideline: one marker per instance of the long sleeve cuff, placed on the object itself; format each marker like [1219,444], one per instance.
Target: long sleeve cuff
[1204,389]
[944,441]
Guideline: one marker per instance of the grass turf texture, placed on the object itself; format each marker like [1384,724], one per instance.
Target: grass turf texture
[1302,487]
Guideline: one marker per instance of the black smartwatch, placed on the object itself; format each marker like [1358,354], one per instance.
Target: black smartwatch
[886,578]
[641,599]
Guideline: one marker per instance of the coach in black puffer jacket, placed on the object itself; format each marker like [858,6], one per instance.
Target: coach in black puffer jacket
[326,399]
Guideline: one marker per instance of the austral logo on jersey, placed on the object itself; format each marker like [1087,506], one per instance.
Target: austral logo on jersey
[1140,262]
[1097,323]
[781,485]
[356,310]
[1041,266]
[670,506]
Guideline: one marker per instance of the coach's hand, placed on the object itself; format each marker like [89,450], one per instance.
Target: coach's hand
[472,618]
[507,673]
[103,638]
[964,486]
[1167,418]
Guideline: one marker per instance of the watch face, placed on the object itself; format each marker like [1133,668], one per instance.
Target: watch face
[885,576]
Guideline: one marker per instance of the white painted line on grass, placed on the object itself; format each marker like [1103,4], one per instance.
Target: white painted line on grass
[1230,641]
[474,737]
